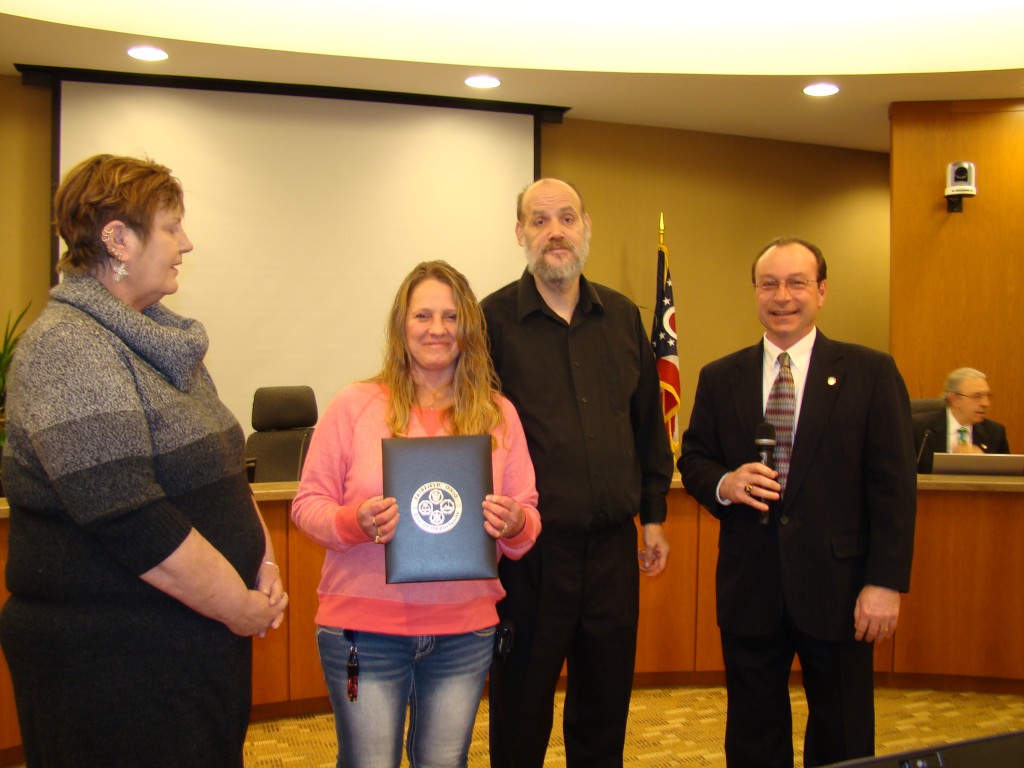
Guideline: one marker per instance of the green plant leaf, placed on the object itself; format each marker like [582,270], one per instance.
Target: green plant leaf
[11,337]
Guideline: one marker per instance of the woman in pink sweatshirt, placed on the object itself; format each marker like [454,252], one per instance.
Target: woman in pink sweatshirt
[426,646]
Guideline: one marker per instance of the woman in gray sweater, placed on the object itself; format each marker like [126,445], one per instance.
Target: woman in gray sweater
[139,565]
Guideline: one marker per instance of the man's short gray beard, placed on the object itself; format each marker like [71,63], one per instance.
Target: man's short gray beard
[561,274]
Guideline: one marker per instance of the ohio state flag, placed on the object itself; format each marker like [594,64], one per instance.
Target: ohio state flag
[664,341]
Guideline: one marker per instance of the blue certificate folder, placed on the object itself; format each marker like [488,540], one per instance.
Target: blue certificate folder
[440,484]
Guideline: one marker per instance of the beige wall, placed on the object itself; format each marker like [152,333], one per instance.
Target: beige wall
[24,197]
[724,197]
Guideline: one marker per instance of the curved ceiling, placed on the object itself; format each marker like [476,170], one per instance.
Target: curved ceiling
[734,67]
[741,37]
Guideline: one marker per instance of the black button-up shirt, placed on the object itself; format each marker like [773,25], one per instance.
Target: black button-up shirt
[588,396]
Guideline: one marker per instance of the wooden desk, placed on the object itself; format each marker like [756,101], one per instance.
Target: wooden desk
[287,677]
[964,616]
[961,627]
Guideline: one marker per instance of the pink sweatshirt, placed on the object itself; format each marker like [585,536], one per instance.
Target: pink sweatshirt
[342,470]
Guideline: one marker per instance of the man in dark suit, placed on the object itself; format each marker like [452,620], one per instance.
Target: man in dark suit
[962,426]
[815,571]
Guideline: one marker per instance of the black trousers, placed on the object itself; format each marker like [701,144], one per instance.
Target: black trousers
[839,683]
[574,599]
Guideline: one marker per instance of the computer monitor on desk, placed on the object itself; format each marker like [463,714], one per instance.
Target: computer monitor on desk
[1005,750]
[978,464]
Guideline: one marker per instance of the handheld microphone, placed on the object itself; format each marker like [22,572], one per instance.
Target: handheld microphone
[764,440]
[920,451]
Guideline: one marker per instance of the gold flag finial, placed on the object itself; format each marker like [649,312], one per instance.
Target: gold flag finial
[661,228]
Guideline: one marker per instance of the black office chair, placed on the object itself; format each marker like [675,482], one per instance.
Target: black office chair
[284,418]
[926,405]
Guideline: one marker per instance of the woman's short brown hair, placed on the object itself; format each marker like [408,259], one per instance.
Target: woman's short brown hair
[107,187]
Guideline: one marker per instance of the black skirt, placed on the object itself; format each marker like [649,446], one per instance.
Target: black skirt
[181,703]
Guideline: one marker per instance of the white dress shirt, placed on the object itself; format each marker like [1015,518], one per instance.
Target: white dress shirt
[799,362]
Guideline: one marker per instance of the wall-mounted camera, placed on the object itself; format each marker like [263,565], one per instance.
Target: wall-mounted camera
[960,183]
[960,180]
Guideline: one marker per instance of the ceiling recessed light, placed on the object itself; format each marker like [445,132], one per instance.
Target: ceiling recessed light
[821,89]
[482,81]
[147,53]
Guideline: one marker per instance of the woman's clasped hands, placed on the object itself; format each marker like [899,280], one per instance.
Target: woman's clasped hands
[378,518]
[503,517]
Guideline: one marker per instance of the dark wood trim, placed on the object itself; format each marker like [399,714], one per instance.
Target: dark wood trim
[297,708]
[678,679]
[32,74]
[950,683]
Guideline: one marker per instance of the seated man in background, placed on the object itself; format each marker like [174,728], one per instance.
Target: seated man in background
[962,427]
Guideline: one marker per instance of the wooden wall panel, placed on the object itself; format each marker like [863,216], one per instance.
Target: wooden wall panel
[305,560]
[709,641]
[964,615]
[668,602]
[270,653]
[10,735]
[958,278]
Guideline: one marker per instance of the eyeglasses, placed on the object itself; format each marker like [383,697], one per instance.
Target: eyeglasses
[977,396]
[793,285]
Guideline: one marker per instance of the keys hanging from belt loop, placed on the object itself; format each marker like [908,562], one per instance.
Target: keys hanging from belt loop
[353,666]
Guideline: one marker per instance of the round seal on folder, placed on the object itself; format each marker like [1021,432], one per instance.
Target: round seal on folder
[436,507]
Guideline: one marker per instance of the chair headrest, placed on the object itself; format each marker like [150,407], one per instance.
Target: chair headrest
[283,408]
[926,405]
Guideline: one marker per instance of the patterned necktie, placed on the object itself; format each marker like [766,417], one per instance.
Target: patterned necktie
[780,412]
[961,439]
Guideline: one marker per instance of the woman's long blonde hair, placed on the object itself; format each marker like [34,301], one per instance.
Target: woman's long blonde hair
[475,411]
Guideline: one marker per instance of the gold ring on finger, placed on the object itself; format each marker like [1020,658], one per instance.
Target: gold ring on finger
[748,488]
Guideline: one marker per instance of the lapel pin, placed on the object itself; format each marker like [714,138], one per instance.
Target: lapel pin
[831,381]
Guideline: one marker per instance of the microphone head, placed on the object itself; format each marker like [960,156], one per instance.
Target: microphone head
[765,434]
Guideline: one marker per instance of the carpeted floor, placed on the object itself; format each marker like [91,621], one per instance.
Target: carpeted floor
[683,727]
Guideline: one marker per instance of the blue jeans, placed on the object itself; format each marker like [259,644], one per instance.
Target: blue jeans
[439,678]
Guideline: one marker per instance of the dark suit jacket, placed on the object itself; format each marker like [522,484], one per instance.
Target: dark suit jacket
[847,518]
[990,436]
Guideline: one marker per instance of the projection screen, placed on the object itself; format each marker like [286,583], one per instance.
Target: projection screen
[306,213]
